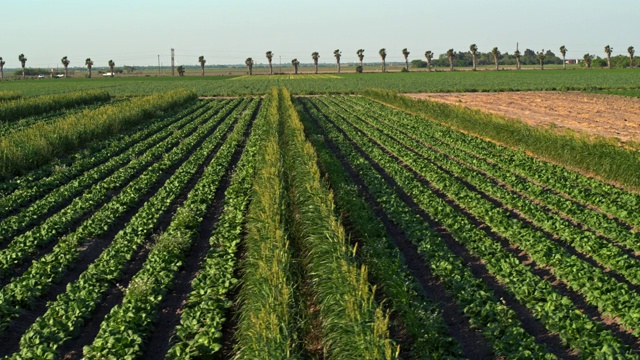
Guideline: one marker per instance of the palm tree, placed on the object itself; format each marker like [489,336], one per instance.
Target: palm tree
[249,63]
[496,53]
[517,55]
[23,61]
[202,61]
[630,50]
[89,64]
[587,61]
[2,62]
[429,55]
[113,65]
[315,56]
[405,53]
[608,49]
[65,63]
[295,64]
[360,53]
[270,57]
[337,53]
[451,54]
[563,51]
[383,55]
[181,70]
[473,48]
[541,57]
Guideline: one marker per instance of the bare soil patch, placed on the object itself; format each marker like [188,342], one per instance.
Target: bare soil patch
[593,114]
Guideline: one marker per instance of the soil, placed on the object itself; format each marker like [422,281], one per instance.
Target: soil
[593,114]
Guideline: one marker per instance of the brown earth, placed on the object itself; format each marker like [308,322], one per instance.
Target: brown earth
[593,114]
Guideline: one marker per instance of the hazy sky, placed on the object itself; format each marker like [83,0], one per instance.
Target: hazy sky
[135,32]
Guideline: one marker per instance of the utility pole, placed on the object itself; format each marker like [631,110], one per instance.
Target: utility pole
[280,64]
[158,65]
[173,62]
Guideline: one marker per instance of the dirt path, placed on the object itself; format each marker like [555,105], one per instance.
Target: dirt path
[594,114]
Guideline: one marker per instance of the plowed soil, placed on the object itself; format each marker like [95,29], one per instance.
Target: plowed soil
[593,114]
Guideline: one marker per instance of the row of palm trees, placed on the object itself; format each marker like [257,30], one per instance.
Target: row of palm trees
[65,62]
[315,56]
[473,49]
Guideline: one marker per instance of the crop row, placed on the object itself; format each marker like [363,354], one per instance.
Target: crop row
[612,297]
[147,150]
[353,325]
[587,242]
[614,161]
[580,276]
[21,190]
[123,331]
[557,314]
[91,199]
[461,148]
[23,290]
[199,333]
[418,316]
[266,327]
[66,315]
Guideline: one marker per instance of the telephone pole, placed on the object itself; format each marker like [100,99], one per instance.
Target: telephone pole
[173,62]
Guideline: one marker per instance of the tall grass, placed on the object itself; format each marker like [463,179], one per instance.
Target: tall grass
[353,325]
[37,145]
[9,95]
[598,156]
[265,322]
[25,107]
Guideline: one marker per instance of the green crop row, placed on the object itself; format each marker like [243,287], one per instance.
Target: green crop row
[599,157]
[442,139]
[556,313]
[587,242]
[265,323]
[66,315]
[22,291]
[610,296]
[496,321]
[418,316]
[589,191]
[91,199]
[25,107]
[21,190]
[199,334]
[80,190]
[353,325]
[41,143]
[123,331]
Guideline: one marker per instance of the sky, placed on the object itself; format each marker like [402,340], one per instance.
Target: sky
[136,32]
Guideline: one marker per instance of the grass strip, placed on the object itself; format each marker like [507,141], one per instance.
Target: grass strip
[29,106]
[266,328]
[41,143]
[353,325]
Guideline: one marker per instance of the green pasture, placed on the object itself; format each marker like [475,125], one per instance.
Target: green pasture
[622,81]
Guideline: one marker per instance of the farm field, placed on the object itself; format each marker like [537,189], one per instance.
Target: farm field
[625,80]
[284,226]
[594,114]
